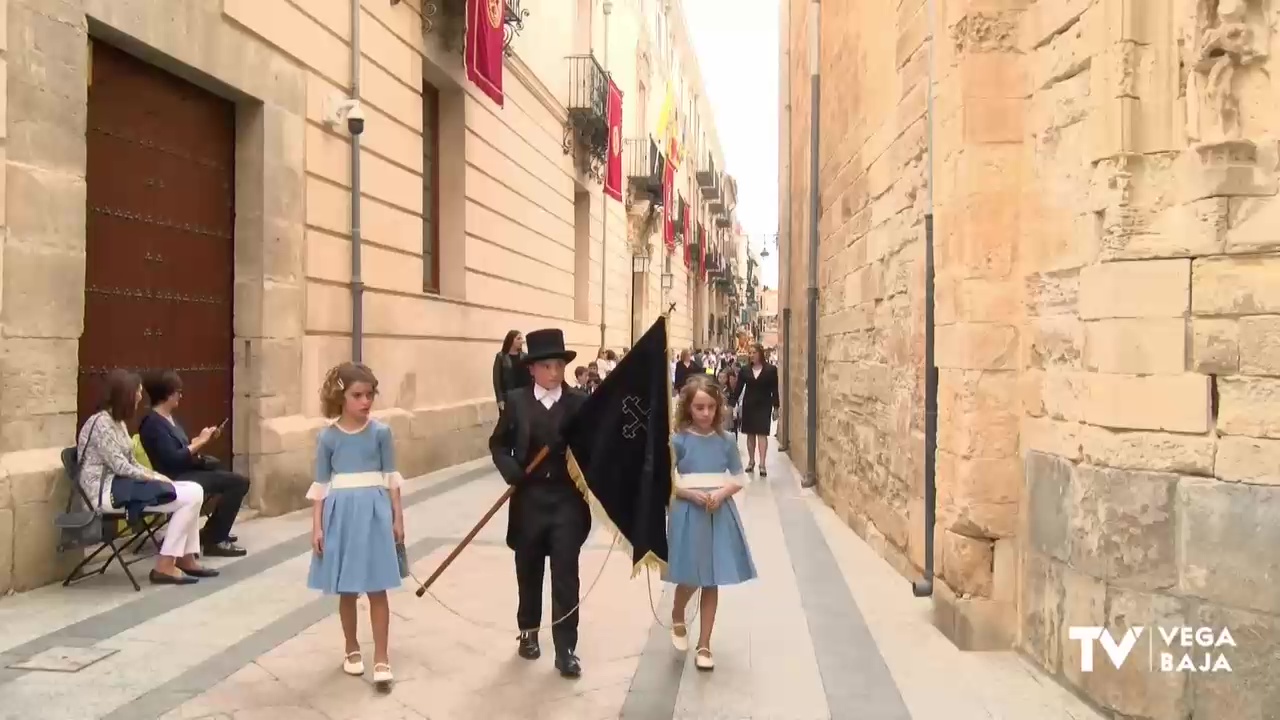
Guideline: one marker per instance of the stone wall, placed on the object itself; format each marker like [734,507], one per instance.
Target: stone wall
[1151,283]
[1108,282]
[872,194]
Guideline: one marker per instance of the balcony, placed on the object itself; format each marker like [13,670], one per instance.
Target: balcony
[709,182]
[724,220]
[706,176]
[449,16]
[588,127]
[644,168]
[716,207]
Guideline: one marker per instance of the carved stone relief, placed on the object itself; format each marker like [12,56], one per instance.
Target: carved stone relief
[642,221]
[1221,40]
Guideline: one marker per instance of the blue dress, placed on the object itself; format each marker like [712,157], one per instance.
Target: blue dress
[355,472]
[707,549]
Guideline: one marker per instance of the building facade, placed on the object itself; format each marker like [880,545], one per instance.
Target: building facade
[1102,178]
[179,195]
[768,317]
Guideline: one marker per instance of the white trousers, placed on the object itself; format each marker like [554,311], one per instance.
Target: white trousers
[182,534]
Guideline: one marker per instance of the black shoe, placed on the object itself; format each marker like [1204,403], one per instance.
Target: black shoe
[233,538]
[159,578]
[763,472]
[226,548]
[568,664]
[528,647]
[203,572]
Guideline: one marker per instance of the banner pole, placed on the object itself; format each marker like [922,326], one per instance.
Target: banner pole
[506,495]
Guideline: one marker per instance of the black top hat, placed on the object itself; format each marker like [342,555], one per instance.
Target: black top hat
[546,345]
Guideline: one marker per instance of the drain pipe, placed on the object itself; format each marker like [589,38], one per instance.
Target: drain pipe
[924,586]
[811,379]
[355,124]
[604,200]
[784,250]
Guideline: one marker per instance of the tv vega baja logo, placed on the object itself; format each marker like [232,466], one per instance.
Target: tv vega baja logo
[1181,649]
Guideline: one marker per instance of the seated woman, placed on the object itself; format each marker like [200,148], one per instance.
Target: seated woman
[107,465]
[173,453]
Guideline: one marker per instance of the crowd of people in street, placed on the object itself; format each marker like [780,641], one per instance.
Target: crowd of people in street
[358,528]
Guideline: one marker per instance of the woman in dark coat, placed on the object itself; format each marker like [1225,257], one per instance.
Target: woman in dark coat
[509,370]
[757,398]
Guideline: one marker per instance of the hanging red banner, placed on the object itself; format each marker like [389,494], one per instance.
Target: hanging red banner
[613,168]
[483,55]
[702,250]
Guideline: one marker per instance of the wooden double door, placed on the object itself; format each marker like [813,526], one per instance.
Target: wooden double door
[160,265]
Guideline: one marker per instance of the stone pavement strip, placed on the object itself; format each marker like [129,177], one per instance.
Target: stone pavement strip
[827,631]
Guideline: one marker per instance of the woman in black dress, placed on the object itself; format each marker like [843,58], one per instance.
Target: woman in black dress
[509,371]
[757,398]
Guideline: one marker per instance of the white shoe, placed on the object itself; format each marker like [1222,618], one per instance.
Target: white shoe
[678,641]
[382,677]
[703,659]
[352,664]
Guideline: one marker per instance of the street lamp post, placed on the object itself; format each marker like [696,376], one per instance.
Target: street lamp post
[639,269]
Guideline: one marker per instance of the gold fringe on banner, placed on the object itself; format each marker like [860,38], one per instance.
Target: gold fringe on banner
[650,561]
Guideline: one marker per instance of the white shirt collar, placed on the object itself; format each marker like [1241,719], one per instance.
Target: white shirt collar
[545,396]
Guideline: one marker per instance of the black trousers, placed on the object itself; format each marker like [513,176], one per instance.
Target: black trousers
[561,542]
[229,488]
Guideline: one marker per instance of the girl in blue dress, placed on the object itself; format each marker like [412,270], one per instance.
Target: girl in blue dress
[357,518]
[706,542]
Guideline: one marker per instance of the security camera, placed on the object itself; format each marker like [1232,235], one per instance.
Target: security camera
[341,107]
[355,118]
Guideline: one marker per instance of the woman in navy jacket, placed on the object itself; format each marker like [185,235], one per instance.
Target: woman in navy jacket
[175,455]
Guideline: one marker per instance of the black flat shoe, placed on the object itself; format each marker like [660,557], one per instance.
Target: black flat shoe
[764,473]
[159,578]
[224,549]
[528,647]
[203,572]
[569,665]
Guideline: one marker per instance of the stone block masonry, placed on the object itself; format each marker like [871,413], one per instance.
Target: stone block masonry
[1107,323]
[474,221]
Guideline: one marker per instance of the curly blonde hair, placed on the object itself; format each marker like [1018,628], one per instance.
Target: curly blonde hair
[337,380]
[684,404]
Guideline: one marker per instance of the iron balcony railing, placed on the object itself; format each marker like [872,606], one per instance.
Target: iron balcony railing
[588,125]
[644,167]
[588,87]
[706,175]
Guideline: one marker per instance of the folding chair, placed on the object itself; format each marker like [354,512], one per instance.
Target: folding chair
[83,526]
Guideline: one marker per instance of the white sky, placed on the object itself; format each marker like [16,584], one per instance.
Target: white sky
[737,46]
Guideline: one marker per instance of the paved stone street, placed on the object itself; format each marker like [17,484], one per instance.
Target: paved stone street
[828,631]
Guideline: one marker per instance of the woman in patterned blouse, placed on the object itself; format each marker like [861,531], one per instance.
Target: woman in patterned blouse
[106,453]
